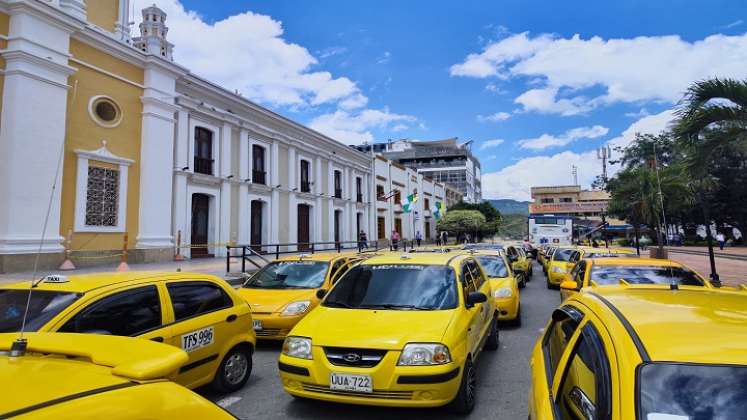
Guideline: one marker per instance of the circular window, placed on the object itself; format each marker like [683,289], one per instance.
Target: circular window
[104,111]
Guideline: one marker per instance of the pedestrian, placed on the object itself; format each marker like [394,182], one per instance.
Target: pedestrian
[721,240]
[362,241]
[418,237]
[444,238]
[438,238]
[395,240]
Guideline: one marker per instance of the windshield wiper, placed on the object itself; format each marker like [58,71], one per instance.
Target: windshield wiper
[397,306]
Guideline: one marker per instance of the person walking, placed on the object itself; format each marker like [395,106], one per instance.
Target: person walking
[721,240]
[444,238]
[395,240]
[418,237]
[438,238]
[362,241]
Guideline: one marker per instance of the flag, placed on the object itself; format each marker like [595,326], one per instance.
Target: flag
[410,203]
[438,210]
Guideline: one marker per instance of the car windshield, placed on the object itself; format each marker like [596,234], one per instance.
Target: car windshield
[563,254]
[495,247]
[494,266]
[289,275]
[670,391]
[643,274]
[44,306]
[604,255]
[395,286]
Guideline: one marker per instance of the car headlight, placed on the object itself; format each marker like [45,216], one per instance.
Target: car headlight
[296,308]
[503,292]
[556,269]
[299,347]
[424,354]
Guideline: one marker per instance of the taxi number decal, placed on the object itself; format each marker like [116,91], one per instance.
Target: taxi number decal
[198,339]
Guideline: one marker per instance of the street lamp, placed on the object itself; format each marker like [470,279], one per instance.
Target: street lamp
[709,239]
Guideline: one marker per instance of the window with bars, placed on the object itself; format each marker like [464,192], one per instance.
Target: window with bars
[102,196]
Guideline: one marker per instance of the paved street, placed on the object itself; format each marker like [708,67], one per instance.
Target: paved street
[503,377]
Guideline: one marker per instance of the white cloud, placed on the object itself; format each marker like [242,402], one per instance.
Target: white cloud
[498,116]
[331,52]
[629,70]
[490,157]
[487,144]
[643,112]
[515,181]
[355,128]
[547,140]
[737,22]
[247,52]
[384,58]
[492,87]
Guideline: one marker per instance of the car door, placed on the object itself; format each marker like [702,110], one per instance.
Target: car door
[134,312]
[472,312]
[204,320]
[482,285]
[583,386]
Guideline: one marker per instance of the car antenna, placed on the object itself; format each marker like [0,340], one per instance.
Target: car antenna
[18,348]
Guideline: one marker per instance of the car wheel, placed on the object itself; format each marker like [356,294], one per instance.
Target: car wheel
[523,282]
[517,321]
[549,285]
[464,401]
[234,370]
[493,340]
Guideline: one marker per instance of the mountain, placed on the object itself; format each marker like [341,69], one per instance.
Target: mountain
[508,206]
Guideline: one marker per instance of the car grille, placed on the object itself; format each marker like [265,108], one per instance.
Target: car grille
[270,332]
[381,395]
[340,356]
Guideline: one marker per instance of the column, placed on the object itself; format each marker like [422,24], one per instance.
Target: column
[122,27]
[292,169]
[157,154]
[181,160]
[225,190]
[244,205]
[318,234]
[32,131]
[274,181]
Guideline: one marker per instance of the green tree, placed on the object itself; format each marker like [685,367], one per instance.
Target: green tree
[491,213]
[458,222]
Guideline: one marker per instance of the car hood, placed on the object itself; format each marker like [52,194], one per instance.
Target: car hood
[377,329]
[274,300]
[499,282]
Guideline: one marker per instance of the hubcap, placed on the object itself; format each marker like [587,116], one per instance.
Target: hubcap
[235,368]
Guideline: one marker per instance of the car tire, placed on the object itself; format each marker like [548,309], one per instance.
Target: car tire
[549,285]
[464,402]
[517,321]
[523,283]
[234,370]
[493,340]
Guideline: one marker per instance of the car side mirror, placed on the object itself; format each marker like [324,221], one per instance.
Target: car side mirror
[475,298]
[321,293]
[569,285]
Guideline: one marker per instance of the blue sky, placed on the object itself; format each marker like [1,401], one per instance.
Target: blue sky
[546,81]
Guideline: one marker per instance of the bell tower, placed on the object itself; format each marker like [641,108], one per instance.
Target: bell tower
[153,30]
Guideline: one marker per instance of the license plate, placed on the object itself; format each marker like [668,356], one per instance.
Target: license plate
[354,383]
[257,324]
[198,339]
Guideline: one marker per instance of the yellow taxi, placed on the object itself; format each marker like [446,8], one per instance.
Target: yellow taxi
[285,290]
[86,376]
[198,313]
[504,284]
[604,271]
[562,262]
[396,330]
[649,353]
[546,257]
[520,263]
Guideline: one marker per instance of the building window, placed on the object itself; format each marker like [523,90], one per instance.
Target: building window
[338,184]
[381,227]
[427,204]
[101,191]
[258,165]
[566,200]
[380,194]
[102,196]
[104,111]
[547,200]
[305,184]
[358,189]
[203,151]
[397,197]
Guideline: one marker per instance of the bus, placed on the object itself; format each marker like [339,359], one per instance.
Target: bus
[550,229]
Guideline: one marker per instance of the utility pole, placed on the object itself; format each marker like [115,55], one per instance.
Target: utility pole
[661,197]
[574,173]
[604,153]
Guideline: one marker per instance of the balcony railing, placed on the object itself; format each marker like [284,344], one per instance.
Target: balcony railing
[338,192]
[359,198]
[203,165]
[305,186]
[258,177]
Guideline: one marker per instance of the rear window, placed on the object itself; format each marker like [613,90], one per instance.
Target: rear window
[44,306]
[670,391]
[642,274]
[395,287]
[494,266]
[289,275]
[563,255]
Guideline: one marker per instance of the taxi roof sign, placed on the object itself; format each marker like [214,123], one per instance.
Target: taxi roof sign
[56,278]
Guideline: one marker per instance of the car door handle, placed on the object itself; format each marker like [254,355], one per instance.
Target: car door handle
[231,318]
[159,339]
